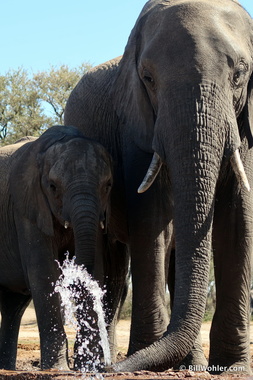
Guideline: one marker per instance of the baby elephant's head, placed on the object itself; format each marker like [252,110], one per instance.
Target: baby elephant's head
[76,179]
[65,180]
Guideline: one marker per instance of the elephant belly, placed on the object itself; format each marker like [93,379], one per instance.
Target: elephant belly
[13,281]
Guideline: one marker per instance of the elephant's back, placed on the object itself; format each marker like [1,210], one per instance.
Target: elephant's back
[95,82]
[7,151]
[9,154]
[89,105]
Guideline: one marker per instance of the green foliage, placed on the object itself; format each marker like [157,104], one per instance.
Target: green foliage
[29,104]
[20,112]
[54,87]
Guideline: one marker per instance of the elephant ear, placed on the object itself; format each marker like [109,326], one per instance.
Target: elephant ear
[25,179]
[130,98]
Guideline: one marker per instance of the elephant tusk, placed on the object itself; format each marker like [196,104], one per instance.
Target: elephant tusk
[102,225]
[238,168]
[66,224]
[151,174]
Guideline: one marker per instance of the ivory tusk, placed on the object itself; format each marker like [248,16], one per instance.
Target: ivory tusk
[238,168]
[151,174]
[66,224]
[102,225]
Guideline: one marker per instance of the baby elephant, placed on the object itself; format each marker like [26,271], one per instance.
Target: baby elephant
[54,197]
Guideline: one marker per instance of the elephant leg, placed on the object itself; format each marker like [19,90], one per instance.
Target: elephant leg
[38,256]
[195,358]
[53,341]
[150,230]
[88,352]
[116,285]
[12,307]
[87,348]
[149,310]
[229,336]
[111,270]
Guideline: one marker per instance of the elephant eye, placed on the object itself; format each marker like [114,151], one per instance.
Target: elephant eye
[239,73]
[108,187]
[237,76]
[147,77]
[53,187]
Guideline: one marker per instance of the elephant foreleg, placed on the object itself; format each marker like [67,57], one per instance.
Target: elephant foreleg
[12,307]
[229,336]
[38,256]
[53,341]
[150,235]
[116,284]
[87,347]
[195,358]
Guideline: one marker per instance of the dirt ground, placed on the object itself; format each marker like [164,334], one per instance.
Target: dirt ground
[29,354]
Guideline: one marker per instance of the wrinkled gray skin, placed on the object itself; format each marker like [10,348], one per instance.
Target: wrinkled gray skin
[183,89]
[60,177]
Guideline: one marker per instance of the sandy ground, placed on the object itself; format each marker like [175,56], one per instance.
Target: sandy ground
[28,342]
[29,354]
[29,335]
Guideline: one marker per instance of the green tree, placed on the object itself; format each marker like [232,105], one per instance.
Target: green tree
[29,104]
[54,87]
[20,110]
[4,116]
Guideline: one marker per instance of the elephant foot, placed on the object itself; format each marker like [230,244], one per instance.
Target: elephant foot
[88,366]
[88,361]
[48,361]
[195,360]
[61,363]
[217,367]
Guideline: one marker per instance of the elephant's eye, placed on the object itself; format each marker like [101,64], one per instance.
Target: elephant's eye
[108,187]
[53,187]
[147,77]
[237,76]
[239,73]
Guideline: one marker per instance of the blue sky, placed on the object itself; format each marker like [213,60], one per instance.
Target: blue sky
[37,34]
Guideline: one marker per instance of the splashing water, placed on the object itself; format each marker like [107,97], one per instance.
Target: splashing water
[81,298]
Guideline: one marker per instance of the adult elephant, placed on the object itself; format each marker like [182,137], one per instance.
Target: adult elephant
[54,197]
[183,91]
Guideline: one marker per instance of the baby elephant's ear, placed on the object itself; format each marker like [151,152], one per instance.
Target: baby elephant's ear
[25,187]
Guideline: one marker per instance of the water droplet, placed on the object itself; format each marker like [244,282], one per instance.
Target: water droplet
[76,286]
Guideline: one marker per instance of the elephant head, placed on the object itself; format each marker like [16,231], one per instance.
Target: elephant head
[184,91]
[63,180]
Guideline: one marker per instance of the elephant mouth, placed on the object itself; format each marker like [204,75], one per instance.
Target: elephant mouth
[156,165]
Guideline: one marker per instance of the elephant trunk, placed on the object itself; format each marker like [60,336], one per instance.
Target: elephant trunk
[84,216]
[193,153]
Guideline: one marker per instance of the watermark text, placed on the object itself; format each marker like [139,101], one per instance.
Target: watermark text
[212,368]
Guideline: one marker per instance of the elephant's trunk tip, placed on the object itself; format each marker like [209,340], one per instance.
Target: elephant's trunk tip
[238,168]
[151,174]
